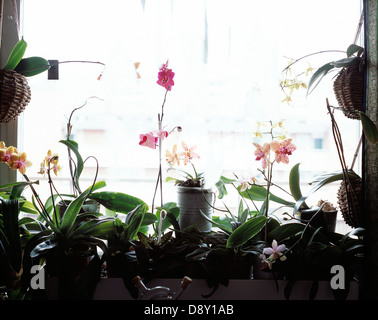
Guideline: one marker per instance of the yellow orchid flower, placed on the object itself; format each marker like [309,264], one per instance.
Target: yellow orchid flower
[19,162]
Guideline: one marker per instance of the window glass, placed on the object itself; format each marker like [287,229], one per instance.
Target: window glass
[228,58]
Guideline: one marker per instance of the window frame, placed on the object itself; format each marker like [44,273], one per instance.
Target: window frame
[9,36]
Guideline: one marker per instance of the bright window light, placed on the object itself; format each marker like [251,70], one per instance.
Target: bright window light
[228,58]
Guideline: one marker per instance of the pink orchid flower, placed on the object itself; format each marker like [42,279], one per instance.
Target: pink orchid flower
[148,140]
[162,134]
[283,150]
[262,153]
[275,252]
[246,183]
[165,77]
[188,153]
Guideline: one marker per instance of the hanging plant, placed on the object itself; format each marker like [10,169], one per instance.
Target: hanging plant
[15,93]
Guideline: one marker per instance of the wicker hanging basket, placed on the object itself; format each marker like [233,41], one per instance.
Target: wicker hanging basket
[349,89]
[15,95]
[349,198]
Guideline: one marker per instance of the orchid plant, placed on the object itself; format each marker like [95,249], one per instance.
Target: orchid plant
[155,139]
[186,156]
[277,150]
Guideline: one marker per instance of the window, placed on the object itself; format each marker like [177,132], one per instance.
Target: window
[228,57]
[318,143]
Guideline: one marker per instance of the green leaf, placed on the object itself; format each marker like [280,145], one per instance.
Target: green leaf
[258,193]
[286,231]
[73,145]
[74,207]
[101,228]
[170,208]
[369,127]
[318,76]
[134,220]
[294,182]
[19,188]
[222,223]
[16,55]
[29,207]
[246,231]
[149,218]
[353,48]
[32,66]
[346,62]
[321,181]
[117,201]
[221,185]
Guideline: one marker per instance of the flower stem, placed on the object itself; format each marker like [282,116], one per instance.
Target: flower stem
[159,181]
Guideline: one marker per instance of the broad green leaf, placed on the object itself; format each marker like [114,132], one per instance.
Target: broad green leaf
[246,231]
[294,183]
[370,129]
[32,66]
[149,218]
[16,55]
[116,201]
[258,193]
[286,231]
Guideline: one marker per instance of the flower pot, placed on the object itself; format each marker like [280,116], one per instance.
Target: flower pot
[349,197]
[15,94]
[191,201]
[324,219]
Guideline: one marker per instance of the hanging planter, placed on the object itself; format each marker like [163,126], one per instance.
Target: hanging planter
[15,95]
[15,92]
[349,198]
[349,89]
